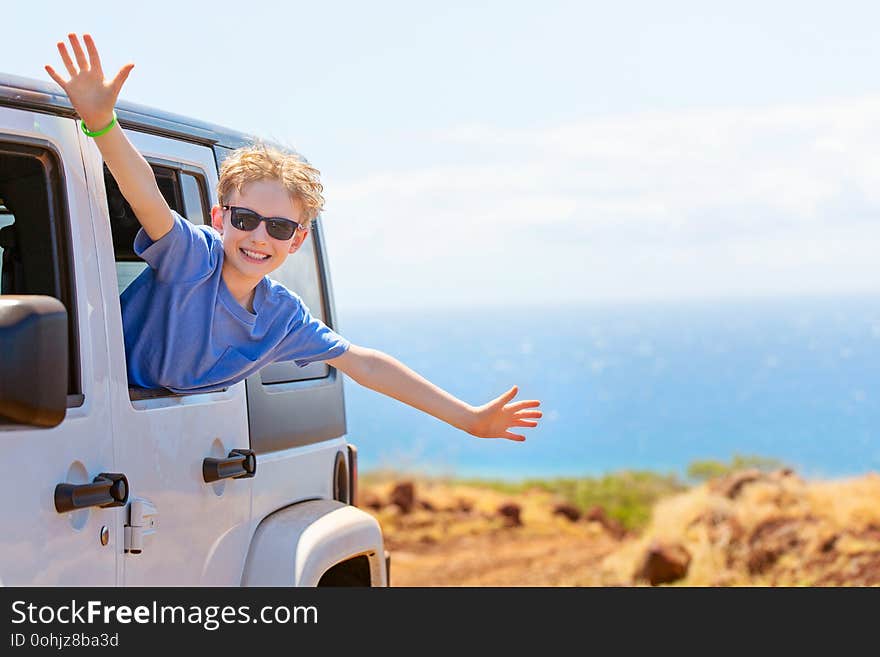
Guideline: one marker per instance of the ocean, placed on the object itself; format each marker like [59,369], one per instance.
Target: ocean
[651,386]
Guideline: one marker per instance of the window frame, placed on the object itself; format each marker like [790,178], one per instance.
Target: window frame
[60,242]
[177,168]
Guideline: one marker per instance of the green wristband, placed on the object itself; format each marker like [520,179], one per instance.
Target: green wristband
[102,131]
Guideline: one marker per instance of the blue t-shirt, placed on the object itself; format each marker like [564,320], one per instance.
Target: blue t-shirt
[184,331]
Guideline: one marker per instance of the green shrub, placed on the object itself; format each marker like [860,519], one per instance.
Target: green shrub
[709,469]
[627,496]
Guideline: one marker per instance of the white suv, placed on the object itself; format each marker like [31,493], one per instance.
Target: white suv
[110,485]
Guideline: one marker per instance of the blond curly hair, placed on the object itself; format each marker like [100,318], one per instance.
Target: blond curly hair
[261,161]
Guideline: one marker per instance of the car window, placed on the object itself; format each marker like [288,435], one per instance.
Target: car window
[301,274]
[185,192]
[34,256]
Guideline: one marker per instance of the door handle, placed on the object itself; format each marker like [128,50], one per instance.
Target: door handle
[240,464]
[106,490]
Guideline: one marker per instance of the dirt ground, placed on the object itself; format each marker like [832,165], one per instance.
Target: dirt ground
[745,529]
[502,558]
[462,540]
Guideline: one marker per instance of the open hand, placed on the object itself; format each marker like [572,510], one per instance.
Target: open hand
[493,419]
[92,96]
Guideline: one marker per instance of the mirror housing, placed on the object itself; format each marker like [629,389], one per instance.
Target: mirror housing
[33,369]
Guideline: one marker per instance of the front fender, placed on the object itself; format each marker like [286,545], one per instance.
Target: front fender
[294,546]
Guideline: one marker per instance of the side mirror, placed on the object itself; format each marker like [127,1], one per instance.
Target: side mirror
[33,365]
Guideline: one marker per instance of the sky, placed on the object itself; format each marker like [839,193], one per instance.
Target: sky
[511,154]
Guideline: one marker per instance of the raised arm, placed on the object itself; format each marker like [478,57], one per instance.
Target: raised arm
[383,373]
[93,98]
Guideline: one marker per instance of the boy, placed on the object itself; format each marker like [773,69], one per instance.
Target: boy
[219,282]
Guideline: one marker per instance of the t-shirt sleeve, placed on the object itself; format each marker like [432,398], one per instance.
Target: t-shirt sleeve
[309,339]
[185,253]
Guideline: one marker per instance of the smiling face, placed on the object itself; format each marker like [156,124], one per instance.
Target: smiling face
[251,255]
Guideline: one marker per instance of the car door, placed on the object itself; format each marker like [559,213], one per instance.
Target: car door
[180,529]
[47,247]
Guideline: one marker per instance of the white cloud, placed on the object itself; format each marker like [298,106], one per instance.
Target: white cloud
[693,203]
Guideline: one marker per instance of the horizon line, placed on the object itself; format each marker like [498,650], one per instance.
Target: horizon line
[606,302]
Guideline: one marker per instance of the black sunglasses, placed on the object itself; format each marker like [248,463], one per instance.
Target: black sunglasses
[248,220]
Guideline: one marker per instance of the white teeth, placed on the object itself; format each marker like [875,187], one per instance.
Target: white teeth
[255,255]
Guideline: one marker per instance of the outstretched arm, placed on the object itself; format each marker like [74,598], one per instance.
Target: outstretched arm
[383,373]
[93,98]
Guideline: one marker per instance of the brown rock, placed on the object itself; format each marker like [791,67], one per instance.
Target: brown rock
[510,512]
[569,511]
[731,485]
[596,514]
[770,540]
[776,532]
[610,525]
[426,505]
[827,545]
[615,528]
[664,563]
[370,501]
[404,495]
[761,560]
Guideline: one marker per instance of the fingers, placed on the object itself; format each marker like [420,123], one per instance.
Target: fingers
[523,414]
[58,79]
[507,396]
[514,436]
[68,63]
[121,77]
[524,423]
[94,59]
[516,406]
[78,51]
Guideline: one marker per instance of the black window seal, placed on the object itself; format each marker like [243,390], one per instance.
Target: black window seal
[202,184]
[197,172]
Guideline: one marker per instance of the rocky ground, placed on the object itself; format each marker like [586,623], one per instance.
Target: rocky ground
[750,528]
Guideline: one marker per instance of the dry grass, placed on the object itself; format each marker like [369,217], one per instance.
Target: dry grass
[776,529]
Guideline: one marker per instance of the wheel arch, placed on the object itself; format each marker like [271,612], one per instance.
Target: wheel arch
[297,545]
